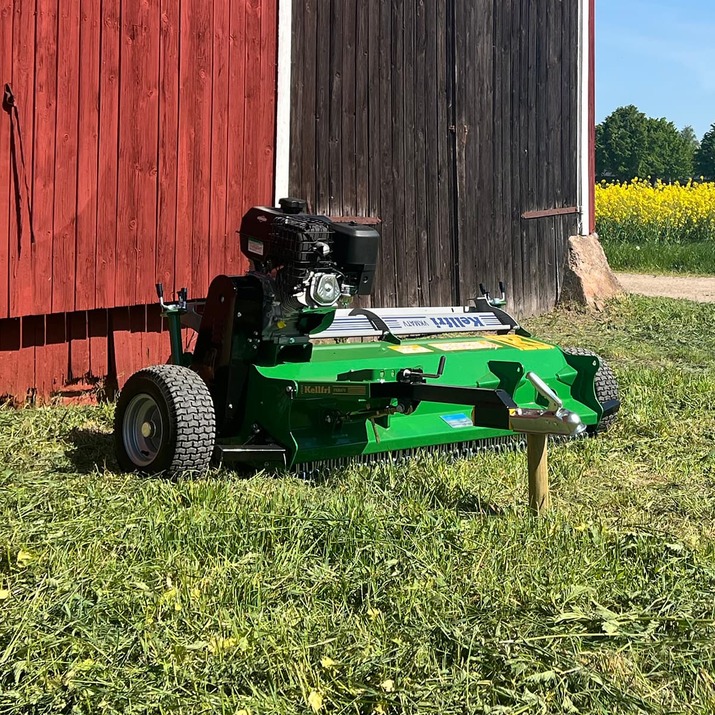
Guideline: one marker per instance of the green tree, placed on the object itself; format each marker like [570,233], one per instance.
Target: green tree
[705,156]
[668,155]
[620,144]
[690,138]
[630,144]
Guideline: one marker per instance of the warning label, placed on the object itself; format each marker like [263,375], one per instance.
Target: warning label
[471,345]
[410,349]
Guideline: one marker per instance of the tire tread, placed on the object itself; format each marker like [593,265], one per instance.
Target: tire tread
[605,383]
[191,413]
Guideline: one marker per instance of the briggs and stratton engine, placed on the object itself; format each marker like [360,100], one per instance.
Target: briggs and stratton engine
[313,261]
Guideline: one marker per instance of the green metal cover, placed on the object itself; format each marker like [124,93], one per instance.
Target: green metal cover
[313,408]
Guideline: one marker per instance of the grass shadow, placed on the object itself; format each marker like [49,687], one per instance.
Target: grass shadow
[90,450]
[473,505]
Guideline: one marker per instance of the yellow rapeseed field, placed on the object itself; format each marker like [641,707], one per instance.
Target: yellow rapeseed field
[641,212]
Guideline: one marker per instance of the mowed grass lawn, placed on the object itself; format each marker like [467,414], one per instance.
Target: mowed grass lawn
[418,588]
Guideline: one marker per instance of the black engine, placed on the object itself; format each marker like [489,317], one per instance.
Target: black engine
[303,267]
[315,262]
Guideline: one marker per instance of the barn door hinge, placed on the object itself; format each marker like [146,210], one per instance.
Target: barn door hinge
[548,213]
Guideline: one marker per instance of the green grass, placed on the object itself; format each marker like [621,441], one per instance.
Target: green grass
[690,258]
[422,588]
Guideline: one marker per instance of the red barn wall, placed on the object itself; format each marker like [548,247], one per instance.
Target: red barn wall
[144,130]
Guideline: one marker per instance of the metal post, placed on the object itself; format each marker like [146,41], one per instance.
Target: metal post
[177,351]
[539,501]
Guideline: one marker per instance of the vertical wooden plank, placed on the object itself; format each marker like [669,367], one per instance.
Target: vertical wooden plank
[87,158]
[322,109]
[32,334]
[555,118]
[347,112]
[362,118]
[569,125]
[122,345]
[445,262]
[375,160]
[398,157]
[475,146]
[218,233]
[464,72]
[435,106]
[304,142]
[534,82]
[505,211]
[108,238]
[156,340]
[9,346]
[78,337]
[135,339]
[6,22]
[487,261]
[44,154]
[525,113]
[128,328]
[52,357]
[146,189]
[252,92]
[166,226]
[385,295]
[300,12]
[335,176]
[407,254]
[267,103]
[421,98]
[138,148]
[128,167]
[202,29]
[194,161]
[233,261]
[97,331]
[185,161]
[539,141]
[570,87]
[517,157]
[21,215]
[65,217]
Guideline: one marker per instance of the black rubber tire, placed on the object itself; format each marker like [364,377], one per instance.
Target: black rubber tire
[606,386]
[184,405]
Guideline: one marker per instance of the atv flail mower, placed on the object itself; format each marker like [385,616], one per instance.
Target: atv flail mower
[274,382]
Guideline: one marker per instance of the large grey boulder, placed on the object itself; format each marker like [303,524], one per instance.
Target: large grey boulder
[588,279]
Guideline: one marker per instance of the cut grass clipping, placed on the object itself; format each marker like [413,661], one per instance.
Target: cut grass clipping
[419,588]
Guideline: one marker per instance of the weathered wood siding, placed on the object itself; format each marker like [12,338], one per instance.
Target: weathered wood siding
[448,119]
[147,129]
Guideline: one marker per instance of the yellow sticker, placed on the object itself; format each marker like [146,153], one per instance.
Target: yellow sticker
[519,342]
[410,349]
[449,347]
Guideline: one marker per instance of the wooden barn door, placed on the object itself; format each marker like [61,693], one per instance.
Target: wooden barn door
[449,120]
[515,120]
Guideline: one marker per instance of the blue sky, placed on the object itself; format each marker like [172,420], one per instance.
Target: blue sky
[658,55]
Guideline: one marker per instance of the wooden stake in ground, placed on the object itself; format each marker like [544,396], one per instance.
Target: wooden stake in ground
[539,501]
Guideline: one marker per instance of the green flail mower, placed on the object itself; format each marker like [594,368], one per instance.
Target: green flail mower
[274,382]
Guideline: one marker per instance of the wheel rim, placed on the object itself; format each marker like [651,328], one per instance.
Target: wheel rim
[143,430]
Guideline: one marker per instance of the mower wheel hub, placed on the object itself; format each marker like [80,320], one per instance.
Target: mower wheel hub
[142,429]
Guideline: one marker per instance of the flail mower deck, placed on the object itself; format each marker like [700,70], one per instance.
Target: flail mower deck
[273,383]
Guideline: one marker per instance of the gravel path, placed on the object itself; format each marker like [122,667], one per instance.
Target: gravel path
[701,289]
